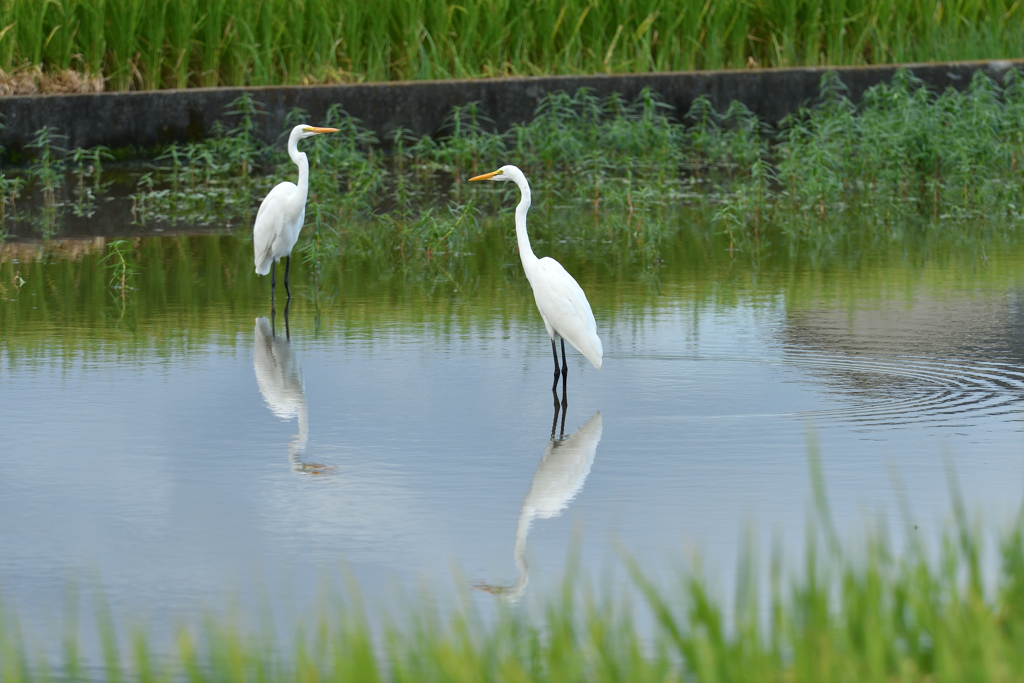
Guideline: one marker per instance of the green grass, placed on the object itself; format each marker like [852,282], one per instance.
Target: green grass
[618,178]
[857,611]
[632,173]
[148,44]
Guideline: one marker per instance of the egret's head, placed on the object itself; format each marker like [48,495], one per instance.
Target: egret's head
[504,173]
[304,131]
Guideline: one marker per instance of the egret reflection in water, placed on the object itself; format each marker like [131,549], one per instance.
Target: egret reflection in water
[279,377]
[559,478]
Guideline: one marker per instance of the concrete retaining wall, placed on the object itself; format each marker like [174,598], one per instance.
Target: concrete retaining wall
[152,118]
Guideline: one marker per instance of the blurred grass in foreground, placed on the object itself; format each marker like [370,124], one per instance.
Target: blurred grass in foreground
[857,611]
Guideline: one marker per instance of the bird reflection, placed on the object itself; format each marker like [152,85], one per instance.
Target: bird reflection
[562,407]
[558,479]
[279,377]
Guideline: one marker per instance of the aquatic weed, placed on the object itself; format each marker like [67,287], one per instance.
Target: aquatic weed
[48,167]
[465,146]
[241,146]
[901,154]
[88,163]
[10,190]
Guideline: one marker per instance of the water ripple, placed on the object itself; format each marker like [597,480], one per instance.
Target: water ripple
[894,390]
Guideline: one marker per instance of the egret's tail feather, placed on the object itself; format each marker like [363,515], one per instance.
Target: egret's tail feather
[264,262]
[592,350]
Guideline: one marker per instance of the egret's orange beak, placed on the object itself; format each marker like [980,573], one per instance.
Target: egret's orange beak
[322,130]
[486,176]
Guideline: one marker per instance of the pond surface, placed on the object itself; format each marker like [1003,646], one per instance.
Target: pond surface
[184,448]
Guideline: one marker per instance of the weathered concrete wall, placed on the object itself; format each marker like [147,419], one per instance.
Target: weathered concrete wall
[151,118]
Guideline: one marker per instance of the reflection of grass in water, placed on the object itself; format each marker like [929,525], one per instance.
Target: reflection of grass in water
[191,290]
[853,611]
[365,228]
[119,262]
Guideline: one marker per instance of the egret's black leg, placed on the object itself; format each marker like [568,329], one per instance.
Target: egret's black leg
[288,262]
[273,281]
[273,314]
[558,406]
[565,368]
[554,350]
[287,332]
[565,411]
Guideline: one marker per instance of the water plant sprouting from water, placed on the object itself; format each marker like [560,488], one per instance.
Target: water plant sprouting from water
[903,154]
[10,189]
[88,163]
[48,167]
[238,145]
[615,176]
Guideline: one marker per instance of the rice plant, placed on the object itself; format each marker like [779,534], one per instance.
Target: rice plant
[148,44]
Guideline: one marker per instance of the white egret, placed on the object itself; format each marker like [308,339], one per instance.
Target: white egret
[279,376]
[559,478]
[282,213]
[560,299]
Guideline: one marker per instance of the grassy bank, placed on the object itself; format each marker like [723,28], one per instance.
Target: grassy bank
[904,152]
[147,44]
[855,611]
[616,179]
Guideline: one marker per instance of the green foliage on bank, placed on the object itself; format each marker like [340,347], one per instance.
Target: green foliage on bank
[615,171]
[615,181]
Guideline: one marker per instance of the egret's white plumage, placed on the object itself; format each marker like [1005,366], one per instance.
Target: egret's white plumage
[283,210]
[559,478]
[279,377]
[560,299]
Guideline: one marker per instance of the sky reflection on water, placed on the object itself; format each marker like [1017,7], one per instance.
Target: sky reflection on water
[171,455]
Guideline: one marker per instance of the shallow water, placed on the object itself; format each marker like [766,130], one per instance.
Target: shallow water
[179,448]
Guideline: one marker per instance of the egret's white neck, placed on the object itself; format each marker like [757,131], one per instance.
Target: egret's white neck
[303,435]
[515,591]
[302,162]
[525,251]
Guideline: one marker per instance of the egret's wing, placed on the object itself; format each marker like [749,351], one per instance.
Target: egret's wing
[564,305]
[270,222]
[559,478]
[563,470]
[278,374]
